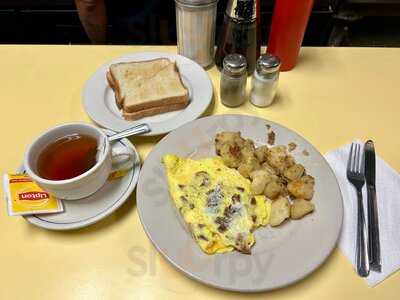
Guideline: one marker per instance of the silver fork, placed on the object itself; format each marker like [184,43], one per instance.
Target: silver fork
[355,174]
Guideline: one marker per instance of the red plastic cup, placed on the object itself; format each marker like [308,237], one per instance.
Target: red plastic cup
[289,22]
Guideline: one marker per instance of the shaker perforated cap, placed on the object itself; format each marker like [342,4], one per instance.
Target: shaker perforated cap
[235,63]
[243,10]
[268,63]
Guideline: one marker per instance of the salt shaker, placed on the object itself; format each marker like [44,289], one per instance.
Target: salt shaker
[264,83]
[195,29]
[233,80]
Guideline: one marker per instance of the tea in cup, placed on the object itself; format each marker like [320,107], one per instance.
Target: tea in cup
[73,161]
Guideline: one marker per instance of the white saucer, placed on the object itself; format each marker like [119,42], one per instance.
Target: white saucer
[86,211]
[99,101]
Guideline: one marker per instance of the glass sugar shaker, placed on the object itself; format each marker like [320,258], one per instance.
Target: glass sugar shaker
[233,80]
[195,29]
[264,82]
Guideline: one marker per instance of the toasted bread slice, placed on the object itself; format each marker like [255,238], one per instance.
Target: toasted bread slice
[114,86]
[122,75]
[131,116]
[164,88]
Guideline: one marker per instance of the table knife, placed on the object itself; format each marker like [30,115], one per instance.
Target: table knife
[374,248]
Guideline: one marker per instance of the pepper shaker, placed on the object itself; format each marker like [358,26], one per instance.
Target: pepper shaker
[233,80]
[264,83]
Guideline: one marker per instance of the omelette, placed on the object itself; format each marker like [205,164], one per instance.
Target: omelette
[216,203]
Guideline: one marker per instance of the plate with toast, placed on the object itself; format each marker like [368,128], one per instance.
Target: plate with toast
[164,90]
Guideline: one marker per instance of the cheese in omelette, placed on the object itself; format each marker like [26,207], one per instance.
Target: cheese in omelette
[216,203]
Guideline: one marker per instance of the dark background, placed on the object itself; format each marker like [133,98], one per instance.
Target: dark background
[332,22]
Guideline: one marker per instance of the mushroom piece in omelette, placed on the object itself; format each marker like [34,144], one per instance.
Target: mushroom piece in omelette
[216,203]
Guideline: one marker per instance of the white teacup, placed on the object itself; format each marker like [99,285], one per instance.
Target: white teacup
[109,159]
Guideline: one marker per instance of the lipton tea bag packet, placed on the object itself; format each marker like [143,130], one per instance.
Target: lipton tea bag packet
[25,197]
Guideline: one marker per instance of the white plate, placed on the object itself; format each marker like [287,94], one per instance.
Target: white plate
[89,210]
[281,255]
[99,101]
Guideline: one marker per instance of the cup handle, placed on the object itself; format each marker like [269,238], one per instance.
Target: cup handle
[122,158]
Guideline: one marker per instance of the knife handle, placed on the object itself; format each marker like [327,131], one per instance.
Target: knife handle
[374,247]
[362,260]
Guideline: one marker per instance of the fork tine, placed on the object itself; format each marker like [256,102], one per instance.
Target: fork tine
[350,160]
[362,161]
[354,159]
[357,159]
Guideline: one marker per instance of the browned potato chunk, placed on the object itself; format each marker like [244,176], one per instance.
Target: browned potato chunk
[223,139]
[302,188]
[228,137]
[260,180]
[265,166]
[258,185]
[280,211]
[273,189]
[279,159]
[300,208]
[236,152]
[247,166]
[276,155]
[284,191]
[294,172]
[248,148]
[262,153]
[290,161]
[231,154]
[245,170]
[258,173]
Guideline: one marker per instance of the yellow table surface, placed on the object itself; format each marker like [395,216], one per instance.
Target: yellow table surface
[332,96]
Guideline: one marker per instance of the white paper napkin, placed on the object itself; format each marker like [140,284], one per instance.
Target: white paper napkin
[388,199]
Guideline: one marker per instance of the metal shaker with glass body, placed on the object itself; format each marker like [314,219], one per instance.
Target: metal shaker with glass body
[233,80]
[195,28]
[264,82]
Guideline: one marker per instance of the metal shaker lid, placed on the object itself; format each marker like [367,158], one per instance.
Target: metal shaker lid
[196,2]
[242,10]
[235,63]
[268,63]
